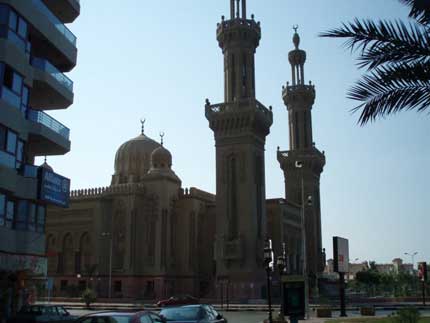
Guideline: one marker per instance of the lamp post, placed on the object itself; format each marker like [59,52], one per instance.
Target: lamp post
[412,255]
[109,235]
[299,165]
[268,262]
[282,266]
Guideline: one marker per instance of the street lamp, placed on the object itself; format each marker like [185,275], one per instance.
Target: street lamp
[268,263]
[412,254]
[299,165]
[282,266]
[109,235]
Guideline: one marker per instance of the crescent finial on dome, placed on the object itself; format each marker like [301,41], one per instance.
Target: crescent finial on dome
[142,122]
[162,134]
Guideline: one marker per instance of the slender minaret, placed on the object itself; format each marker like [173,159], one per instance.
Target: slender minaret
[240,126]
[303,163]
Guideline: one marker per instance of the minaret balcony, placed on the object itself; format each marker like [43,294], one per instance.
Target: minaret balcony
[240,113]
[309,158]
[302,94]
[238,30]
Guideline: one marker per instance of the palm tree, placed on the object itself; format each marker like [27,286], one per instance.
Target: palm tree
[396,57]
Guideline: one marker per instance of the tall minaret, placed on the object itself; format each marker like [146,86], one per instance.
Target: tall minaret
[303,163]
[240,126]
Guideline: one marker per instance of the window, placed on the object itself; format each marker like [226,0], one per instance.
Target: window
[2,209]
[13,20]
[19,154]
[3,133]
[10,213]
[32,217]
[118,286]
[11,142]
[82,284]
[63,285]
[8,77]
[145,319]
[17,83]
[21,215]
[24,100]
[41,214]
[22,28]
[61,311]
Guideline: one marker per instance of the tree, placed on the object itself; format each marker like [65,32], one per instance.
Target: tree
[396,57]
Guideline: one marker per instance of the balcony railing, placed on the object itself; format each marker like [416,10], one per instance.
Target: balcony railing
[42,8]
[48,121]
[46,66]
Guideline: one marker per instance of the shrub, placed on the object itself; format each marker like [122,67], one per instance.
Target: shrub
[407,315]
[88,297]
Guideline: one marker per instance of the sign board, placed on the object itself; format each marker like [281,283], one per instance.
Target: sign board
[422,271]
[53,188]
[340,255]
[35,265]
[294,296]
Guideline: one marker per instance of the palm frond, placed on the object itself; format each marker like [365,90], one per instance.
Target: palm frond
[384,41]
[420,10]
[390,89]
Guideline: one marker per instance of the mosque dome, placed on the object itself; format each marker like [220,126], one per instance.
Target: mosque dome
[161,158]
[161,164]
[47,166]
[133,159]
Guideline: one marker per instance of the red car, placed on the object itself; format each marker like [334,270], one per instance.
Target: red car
[178,300]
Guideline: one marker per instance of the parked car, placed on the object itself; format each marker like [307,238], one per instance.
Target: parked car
[192,314]
[178,300]
[42,313]
[122,317]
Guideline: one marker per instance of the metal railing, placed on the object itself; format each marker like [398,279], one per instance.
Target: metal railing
[42,8]
[46,66]
[48,121]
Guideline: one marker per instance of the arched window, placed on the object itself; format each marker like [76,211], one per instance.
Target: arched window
[68,255]
[52,254]
[85,252]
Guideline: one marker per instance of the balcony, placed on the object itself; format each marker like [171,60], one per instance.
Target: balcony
[50,38]
[47,136]
[66,10]
[42,8]
[51,88]
[48,121]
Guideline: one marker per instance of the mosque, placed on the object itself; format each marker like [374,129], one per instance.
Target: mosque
[147,237]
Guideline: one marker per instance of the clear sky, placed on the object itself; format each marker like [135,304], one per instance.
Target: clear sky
[159,60]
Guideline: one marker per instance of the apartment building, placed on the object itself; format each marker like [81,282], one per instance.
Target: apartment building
[36,50]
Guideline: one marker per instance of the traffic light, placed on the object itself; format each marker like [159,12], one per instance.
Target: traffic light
[422,271]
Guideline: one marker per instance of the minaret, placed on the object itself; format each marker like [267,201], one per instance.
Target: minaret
[303,163]
[240,126]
